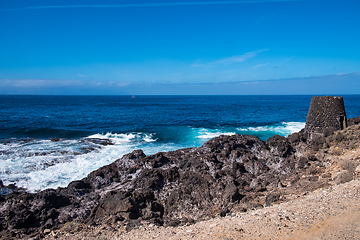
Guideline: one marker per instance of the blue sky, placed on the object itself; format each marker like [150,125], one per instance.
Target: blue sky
[180,47]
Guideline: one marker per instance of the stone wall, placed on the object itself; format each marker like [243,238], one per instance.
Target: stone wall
[326,115]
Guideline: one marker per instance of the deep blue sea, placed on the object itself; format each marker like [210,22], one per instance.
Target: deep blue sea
[48,141]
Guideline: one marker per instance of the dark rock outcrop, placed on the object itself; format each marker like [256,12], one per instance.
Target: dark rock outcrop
[353,121]
[169,188]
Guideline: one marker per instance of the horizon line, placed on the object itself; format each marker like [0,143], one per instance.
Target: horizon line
[28,94]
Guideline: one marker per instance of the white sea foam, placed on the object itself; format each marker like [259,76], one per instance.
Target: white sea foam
[208,133]
[121,138]
[40,164]
[284,129]
[79,166]
[148,138]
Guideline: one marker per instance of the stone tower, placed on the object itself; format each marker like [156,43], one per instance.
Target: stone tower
[326,115]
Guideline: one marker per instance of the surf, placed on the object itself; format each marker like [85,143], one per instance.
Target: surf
[37,164]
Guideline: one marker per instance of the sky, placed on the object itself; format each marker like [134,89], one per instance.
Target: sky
[186,47]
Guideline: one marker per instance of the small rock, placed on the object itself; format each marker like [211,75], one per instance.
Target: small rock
[357,169]
[270,198]
[224,212]
[49,223]
[343,176]
[47,231]
[239,229]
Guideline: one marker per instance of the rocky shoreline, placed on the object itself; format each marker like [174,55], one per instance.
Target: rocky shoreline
[226,175]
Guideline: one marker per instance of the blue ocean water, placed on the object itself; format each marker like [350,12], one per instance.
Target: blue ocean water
[48,141]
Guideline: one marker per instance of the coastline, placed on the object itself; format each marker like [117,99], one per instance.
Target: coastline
[312,166]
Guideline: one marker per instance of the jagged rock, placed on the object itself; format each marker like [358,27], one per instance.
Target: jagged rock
[297,137]
[270,198]
[357,169]
[280,146]
[117,205]
[353,121]
[343,176]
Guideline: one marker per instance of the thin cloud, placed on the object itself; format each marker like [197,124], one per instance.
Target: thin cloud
[23,83]
[260,65]
[230,60]
[166,4]
[40,83]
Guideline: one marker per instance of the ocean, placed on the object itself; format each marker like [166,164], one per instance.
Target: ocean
[49,141]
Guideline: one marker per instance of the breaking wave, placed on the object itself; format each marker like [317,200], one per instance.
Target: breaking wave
[37,164]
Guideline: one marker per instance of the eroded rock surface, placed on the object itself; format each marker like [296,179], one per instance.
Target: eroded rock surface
[227,173]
